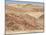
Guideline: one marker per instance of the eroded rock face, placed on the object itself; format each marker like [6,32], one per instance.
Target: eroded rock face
[20,22]
[17,19]
[40,22]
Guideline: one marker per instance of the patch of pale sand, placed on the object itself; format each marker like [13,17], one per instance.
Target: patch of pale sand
[13,5]
[11,32]
[20,5]
[35,14]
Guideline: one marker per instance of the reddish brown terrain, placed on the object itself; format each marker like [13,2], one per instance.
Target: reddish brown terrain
[18,20]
